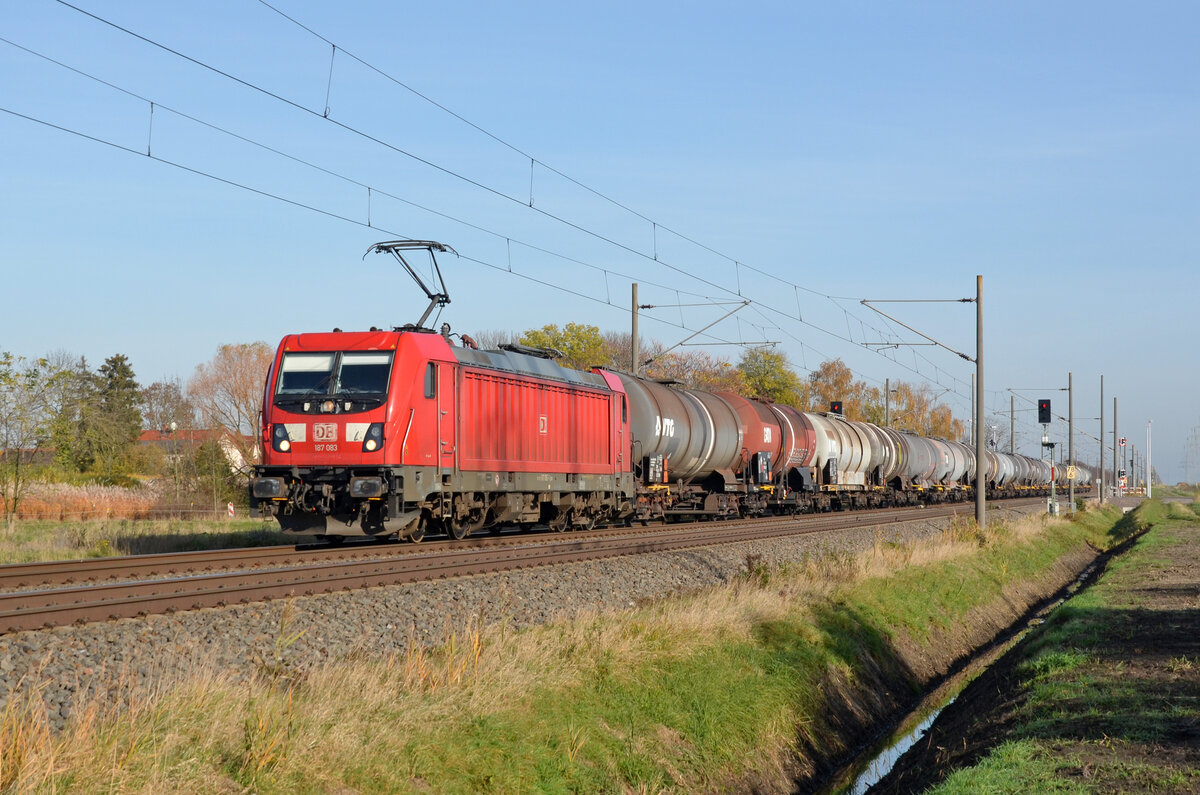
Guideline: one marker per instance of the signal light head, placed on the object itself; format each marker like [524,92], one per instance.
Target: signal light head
[1044,411]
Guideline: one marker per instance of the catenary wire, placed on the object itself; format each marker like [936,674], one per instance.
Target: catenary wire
[491,190]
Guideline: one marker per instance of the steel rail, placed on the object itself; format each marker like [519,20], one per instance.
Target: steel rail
[27,610]
[16,576]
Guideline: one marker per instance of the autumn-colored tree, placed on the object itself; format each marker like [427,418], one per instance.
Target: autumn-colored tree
[942,424]
[768,375]
[915,408]
[582,346]
[833,380]
[228,390]
[696,369]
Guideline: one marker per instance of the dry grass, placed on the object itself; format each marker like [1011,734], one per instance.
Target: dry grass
[212,733]
[961,539]
[42,541]
[64,502]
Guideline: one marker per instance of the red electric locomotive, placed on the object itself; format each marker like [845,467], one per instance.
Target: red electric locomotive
[401,432]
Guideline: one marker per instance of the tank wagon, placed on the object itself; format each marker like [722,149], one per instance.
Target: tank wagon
[401,433]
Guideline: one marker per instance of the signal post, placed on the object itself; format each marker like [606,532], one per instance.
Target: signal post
[1044,418]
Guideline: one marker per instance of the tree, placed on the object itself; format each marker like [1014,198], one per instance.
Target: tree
[491,339]
[915,408]
[24,425]
[582,346]
[833,380]
[696,369]
[768,375]
[73,401]
[228,391]
[214,476]
[118,421]
[163,403]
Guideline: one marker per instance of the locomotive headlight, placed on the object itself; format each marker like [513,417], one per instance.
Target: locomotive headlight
[373,439]
[279,438]
[366,488]
[269,488]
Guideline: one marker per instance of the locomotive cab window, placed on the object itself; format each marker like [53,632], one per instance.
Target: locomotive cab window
[364,373]
[341,381]
[430,380]
[305,373]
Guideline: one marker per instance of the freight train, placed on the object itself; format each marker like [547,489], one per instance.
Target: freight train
[403,433]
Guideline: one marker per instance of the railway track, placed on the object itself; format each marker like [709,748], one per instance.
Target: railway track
[70,592]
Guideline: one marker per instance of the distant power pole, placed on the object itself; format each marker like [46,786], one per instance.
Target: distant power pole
[1116,461]
[1012,424]
[1071,440]
[1102,474]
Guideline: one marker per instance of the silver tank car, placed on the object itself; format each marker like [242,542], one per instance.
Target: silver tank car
[844,452]
[695,432]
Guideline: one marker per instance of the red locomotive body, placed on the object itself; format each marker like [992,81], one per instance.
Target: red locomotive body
[399,432]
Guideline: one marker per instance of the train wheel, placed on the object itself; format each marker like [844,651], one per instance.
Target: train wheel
[562,522]
[418,535]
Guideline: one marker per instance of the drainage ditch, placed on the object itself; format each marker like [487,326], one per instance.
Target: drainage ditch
[877,758]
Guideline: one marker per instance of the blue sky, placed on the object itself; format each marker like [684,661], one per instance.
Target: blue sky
[863,150]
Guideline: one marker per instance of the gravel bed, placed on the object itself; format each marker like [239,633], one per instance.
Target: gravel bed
[73,665]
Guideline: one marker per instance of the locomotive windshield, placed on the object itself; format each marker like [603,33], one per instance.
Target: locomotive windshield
[358,380]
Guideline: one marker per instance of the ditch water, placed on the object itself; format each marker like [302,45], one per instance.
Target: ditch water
[877,760]
[883,762]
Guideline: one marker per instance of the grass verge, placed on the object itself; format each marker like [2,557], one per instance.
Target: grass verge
[45,540]
[755,684]
[1106,695]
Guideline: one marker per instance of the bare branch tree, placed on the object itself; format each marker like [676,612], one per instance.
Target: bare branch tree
[228,390]
[163,403]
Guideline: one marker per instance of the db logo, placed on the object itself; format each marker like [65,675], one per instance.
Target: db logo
[324,432]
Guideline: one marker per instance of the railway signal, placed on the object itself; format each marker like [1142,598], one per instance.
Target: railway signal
[1044,411]
[835,406]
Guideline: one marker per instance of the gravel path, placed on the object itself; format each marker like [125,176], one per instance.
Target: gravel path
[74,664]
